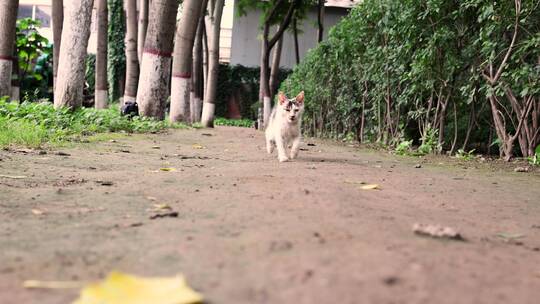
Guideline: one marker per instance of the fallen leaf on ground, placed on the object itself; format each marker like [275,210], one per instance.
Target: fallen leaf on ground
[437,231]
[156,147]
[167,169]
[197,146]
[121,288]
[370,187]
[151,198]
[510,236]
[521,169]
[13,176]
[52,284]
[37,212]
[162,207]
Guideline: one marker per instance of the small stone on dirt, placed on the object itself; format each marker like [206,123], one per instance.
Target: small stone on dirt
[391,280]
[521,169]
[418,166]
[60,153]
[311,144]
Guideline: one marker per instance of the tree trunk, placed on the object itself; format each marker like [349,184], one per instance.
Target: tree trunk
[143,25]
[275,68]
[320,20]
[15,79]
[75,34]
[57,21]
[101,97]
[296,46]
[214,22]
[132,61]
[156,59]
[183,60]
[197,87]
[8,18]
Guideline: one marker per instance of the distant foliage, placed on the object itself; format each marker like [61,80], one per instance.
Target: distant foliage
[34,54]
[116,56]
[395,71]
[244,82]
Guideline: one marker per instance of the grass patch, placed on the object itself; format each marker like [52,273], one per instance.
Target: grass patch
[35,124]
[245,123]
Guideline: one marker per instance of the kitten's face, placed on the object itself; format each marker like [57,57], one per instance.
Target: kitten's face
[292,108]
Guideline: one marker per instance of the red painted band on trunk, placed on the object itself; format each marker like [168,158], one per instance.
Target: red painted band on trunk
[182,75]
[157,52]
[8,57]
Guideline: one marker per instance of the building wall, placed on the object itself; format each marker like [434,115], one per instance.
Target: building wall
[246,37]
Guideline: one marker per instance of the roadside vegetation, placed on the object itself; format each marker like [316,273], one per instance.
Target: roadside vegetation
[38,124]
[428,77]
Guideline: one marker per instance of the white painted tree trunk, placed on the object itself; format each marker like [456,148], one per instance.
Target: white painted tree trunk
[57,21]
[16,93]
[180,94]
[209,106]
[132,61]
[8,17]
[182,60]
[100,93]
[75,34]
[143,25]
[153,88]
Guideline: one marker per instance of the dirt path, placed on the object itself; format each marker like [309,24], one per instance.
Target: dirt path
[251,230]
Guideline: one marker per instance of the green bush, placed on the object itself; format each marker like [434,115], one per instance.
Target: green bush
[243,81]
[39,122]
[394,69]
[34,64]
[246,123]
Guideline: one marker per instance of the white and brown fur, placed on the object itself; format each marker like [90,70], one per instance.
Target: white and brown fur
[284,126]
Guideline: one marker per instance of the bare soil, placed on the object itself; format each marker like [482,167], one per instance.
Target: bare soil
[251,230]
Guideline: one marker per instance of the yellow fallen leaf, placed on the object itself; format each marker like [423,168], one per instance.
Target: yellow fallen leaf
[37,212]
[167,169]
[13,176]
[197,146]
[162,207]
[120,288]
[52,284]
[370,187]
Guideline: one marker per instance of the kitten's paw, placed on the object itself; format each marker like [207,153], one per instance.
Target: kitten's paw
[294,155]
[269,149]
[283,159]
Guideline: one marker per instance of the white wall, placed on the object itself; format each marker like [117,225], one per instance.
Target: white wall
[246,37]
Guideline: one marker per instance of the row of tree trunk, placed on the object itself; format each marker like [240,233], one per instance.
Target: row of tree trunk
[153,67]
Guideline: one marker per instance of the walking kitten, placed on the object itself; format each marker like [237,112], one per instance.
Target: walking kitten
[284,126]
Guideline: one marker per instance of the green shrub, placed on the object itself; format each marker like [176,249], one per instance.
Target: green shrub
[38,123]
[246,123]
[394,68]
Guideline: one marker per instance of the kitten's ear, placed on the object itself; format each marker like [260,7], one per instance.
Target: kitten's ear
[300,97]
[281,98]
